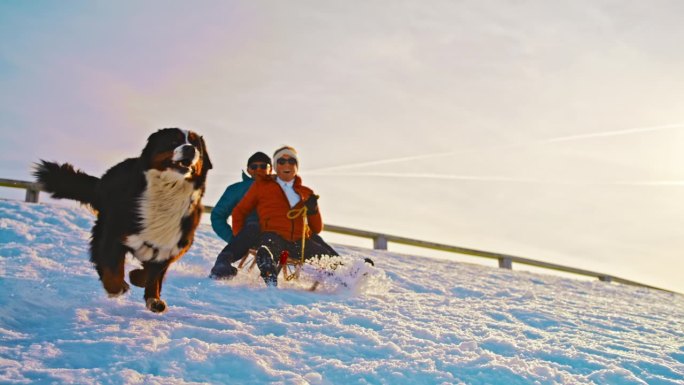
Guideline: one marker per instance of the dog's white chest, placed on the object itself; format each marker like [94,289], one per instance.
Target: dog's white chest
[167,200]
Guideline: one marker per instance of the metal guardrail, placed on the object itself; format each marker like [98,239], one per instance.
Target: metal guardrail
[380,242]
[32,188]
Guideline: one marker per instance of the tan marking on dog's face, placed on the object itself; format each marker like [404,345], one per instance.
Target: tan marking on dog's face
[196,141]
[162,160]
[176,150]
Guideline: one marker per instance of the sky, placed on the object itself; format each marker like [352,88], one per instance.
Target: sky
[543,129]
[411,320]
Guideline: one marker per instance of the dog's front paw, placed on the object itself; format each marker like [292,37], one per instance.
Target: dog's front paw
[124,287]
[156,305]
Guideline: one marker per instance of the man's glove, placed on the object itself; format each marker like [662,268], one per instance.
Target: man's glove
[312,204]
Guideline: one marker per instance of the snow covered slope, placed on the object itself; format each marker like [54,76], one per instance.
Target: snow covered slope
[417,321]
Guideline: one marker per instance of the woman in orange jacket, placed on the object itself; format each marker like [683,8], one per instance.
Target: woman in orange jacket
[273,197]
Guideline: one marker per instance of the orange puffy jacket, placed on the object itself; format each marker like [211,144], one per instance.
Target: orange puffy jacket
[272,207]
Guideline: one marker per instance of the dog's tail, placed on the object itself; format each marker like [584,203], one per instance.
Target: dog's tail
[63,181]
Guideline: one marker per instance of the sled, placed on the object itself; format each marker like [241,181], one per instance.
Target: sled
[248,259]
[290,267]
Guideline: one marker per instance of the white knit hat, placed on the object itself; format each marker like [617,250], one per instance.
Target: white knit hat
[285,150]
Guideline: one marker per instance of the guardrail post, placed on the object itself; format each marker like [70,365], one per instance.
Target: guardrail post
[605,278]
[505,263]
[380,242]
[32,194]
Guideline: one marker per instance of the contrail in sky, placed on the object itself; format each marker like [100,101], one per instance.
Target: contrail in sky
[652,183]
[441,176]
[610,133]
[383,161]
[629,131]
[494,178]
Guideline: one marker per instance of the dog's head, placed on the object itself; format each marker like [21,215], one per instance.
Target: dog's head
[182,151]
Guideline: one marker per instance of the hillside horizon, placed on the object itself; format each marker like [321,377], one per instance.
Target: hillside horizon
[417,320]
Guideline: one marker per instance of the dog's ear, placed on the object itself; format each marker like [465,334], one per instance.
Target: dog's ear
[206,162]
[146,154]
[148,151]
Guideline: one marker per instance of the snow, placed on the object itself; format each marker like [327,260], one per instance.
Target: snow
[412,320]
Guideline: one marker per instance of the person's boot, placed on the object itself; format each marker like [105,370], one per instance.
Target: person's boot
[223,271]
[222,268]
[267,268]
[271,280]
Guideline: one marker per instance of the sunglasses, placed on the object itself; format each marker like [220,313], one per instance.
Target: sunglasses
[282,161]
[255,166]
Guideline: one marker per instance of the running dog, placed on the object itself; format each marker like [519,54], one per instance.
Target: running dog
[148,206]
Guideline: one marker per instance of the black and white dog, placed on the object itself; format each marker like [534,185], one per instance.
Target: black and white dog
[149,206]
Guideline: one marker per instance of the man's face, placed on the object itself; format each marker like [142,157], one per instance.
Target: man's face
[258,169]
[286,168]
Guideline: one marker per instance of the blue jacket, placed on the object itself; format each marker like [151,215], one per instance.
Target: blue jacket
[224,207]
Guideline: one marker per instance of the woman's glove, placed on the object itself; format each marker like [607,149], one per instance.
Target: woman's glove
[312,204]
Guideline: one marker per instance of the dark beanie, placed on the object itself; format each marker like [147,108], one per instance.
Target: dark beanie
[259,157]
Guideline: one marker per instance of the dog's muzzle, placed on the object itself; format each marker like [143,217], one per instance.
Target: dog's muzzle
[185,156]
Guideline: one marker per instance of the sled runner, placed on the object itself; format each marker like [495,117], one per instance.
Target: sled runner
[290,267]
[248,259]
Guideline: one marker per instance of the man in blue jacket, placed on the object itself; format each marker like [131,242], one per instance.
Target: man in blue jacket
[258,166]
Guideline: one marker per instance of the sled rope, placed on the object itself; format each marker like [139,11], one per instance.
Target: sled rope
[294,214]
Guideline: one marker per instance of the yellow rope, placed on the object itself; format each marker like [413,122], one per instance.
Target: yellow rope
[294,214]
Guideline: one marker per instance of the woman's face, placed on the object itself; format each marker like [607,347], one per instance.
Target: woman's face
[286,168]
